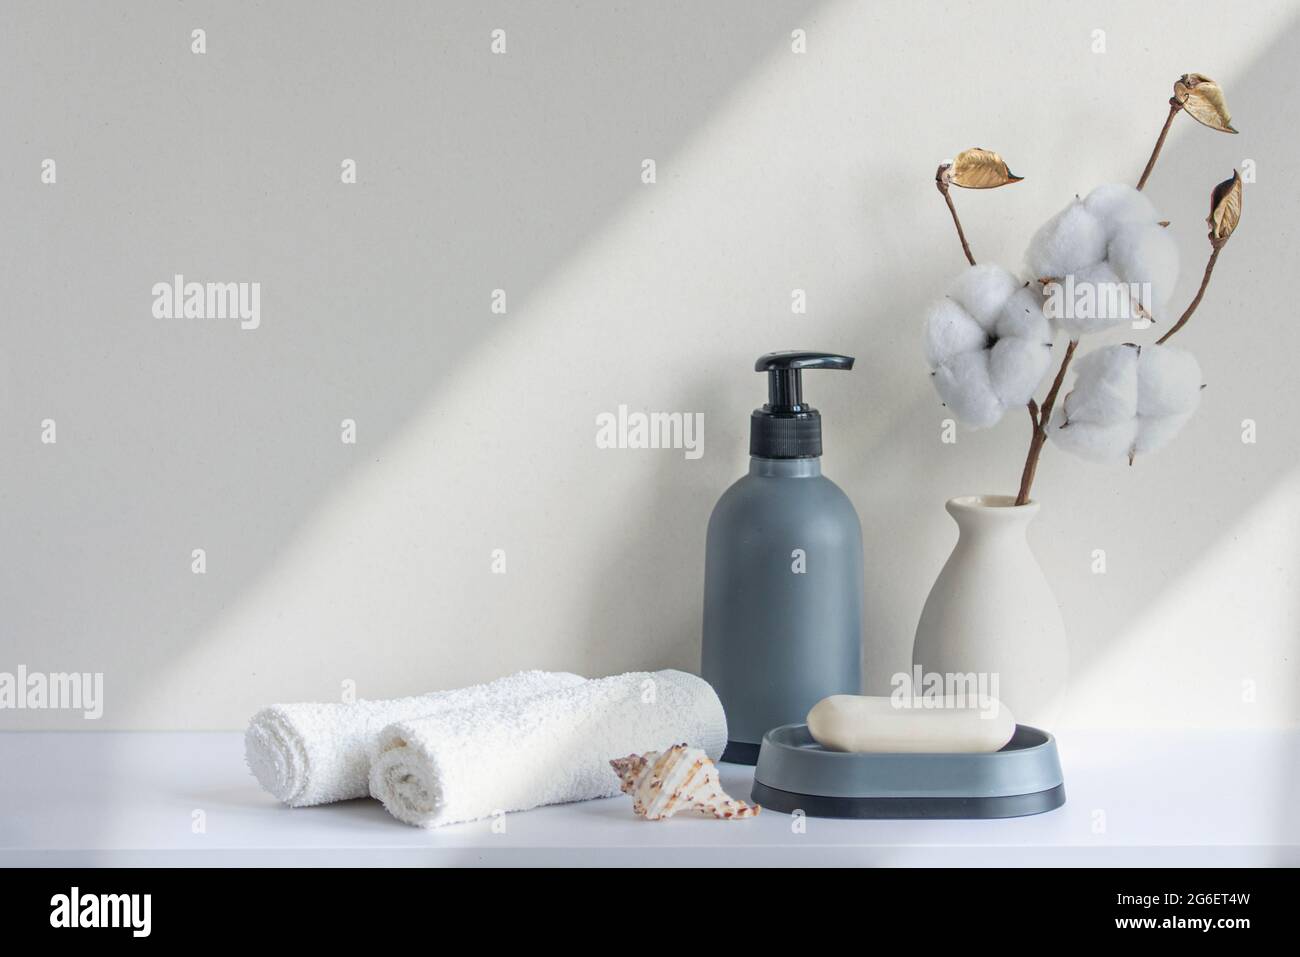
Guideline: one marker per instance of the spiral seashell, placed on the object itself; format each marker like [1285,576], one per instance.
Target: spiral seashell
[664,782]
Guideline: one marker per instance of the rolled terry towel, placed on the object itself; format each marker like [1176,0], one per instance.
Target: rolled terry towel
[308,753]
[469,763]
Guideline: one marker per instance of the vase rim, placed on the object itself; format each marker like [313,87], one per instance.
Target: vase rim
[991,505]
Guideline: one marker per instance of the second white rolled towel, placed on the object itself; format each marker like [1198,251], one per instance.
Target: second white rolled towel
[466,764]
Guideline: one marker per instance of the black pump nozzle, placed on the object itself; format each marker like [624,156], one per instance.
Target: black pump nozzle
[786,428]
[785,375]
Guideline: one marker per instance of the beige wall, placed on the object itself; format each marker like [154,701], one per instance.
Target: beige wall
[371,563]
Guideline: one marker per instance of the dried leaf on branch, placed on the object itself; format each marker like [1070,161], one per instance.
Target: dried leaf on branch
[1203,99]
[1225,209]
[979,168]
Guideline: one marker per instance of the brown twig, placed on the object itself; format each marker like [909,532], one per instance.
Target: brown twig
[1200,294]
[1041,421]
[1174,107]
[942,185]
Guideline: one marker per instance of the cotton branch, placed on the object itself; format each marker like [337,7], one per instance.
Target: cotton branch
[943,185]
[1200,294]
[1174,107]
[1041,418]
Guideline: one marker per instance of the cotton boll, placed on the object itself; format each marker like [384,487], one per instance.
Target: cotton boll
[1126,398]
[982,290]
[950,331]
[1144,253]
[1169,381]
[988,343]
[1022,316]
[1067,242]
[963,384]
[1121,262]
[1118,203]
[1105,387]
[1016,366]
[1105,444]
[1155,432]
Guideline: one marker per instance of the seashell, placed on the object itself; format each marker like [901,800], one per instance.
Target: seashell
[664,782]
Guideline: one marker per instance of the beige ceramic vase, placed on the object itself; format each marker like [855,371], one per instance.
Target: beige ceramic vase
[991,612]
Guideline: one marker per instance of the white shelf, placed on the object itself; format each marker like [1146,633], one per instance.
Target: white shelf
[1132,798]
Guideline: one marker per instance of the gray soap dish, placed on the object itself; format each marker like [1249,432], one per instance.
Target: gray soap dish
[795,773]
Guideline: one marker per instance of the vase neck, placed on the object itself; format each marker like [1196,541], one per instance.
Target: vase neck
[991,515]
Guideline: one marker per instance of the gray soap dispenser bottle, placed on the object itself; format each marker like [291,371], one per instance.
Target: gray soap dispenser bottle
[783,570]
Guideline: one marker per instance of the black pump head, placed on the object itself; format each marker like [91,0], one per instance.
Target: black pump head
[786,428]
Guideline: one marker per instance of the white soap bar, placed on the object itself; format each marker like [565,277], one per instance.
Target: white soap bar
[858,723]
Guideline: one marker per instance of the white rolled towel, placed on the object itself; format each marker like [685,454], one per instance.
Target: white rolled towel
[315,753]
[470,763]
